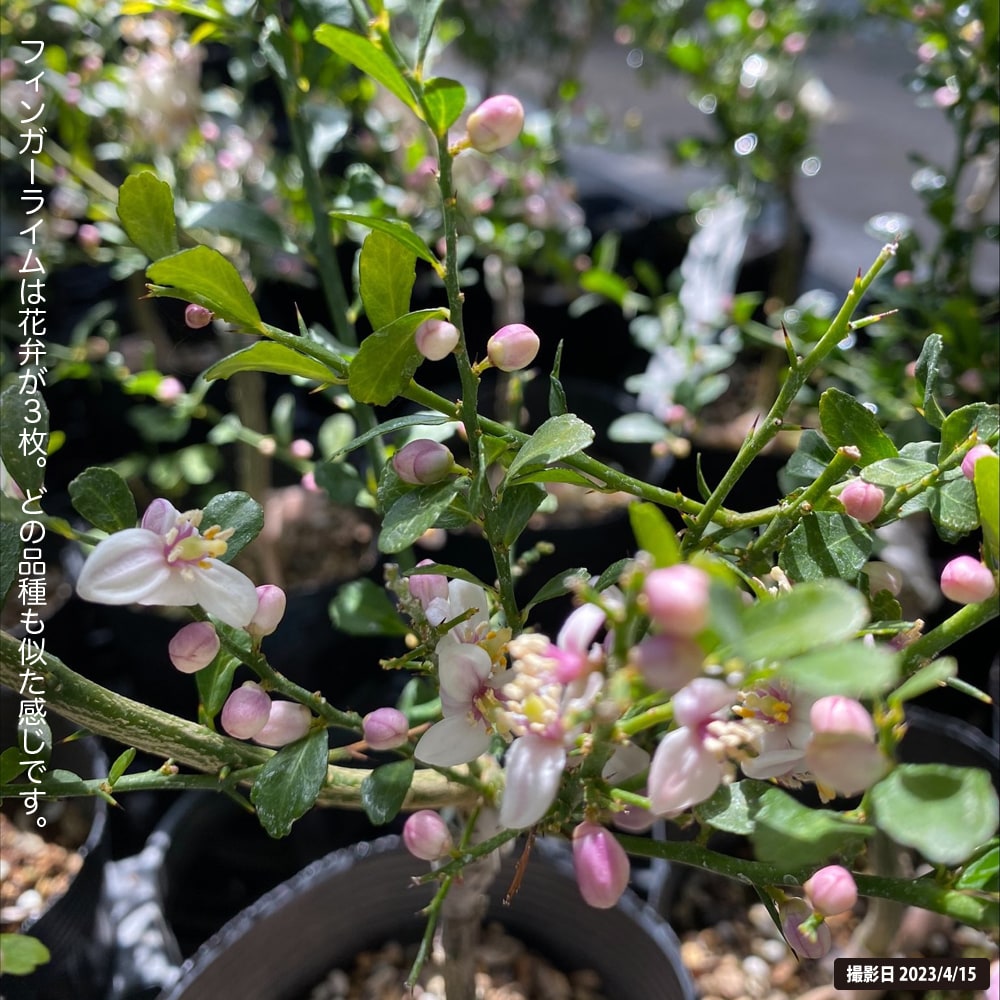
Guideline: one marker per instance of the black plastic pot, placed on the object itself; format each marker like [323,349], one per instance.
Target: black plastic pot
[357,898]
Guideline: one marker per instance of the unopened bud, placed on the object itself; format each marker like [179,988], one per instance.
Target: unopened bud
[196,316]
[832,890]
[601,865]
[436,339]
[842,753]
[513,347]
[301,448]
[862,500]
[966,580]
[169,389]
[838,714]
[385,728]
[287,722]
[426,835]
[667,662]
[423,462]
[496,123]
[972,456]
[271,602]
[677,599]
[246,711]
[194,647]
[427,587]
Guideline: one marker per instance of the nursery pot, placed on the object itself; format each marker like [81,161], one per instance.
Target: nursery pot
[360,897]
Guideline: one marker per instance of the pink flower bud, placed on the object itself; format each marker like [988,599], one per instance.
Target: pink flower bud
[513,347]
[246,711]
[844,716]
[496,123]
[287,722]
[88,236]
[972,456]
[633,819]
[270,610]
[194,647]
[436,339]
[967,581]
[862,500]
[197,316]
[601,865]
[677,599]
[427,587]
[385,728]
[808,941]
[169,389]
[423,462]
[301,448]
[831,890]
[426,835]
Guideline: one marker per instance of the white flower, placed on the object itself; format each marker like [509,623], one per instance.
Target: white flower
[167,561]
[779,722]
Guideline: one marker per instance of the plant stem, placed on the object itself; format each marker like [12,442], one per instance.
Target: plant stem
[961,623]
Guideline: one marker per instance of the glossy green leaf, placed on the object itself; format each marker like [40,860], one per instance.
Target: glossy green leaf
[796,621]
[654,533]
[429,10]
[732,808]
[558,438]
[517,506]
[987,483]
[399,231]
[240,219]
[387,359]
[236,510]
[146,212]
[825,544]
[390,427]
[413,513]
[386,275]
[558,586]
[384,790]
[952,506]
[983,418]
[21,954]
[984,872]
[928,377]
[846,422]
[121,765]
[896,472]
[362,607]
[368,58]
[215,682]
[445,101]
[202,275]
[927,678]
[790,834]
[266,356]
[104,499]
[943,812]
[851,669]
[289,783]
[24,414]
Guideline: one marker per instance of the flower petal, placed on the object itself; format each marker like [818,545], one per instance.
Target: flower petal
[683,773]
[160,516]
[581,626]
[225,592]
[462,669]
[125,568]
[532,773]
[452,741]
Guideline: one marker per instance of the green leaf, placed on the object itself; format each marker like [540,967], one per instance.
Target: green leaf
[983,873]
[852,669]
[340,480]
[288,784]
[517,505]
[236,510]
[362,607]
[413,513]
[732,808]
[202,275]
[386,277]
[846,422]
[399,231]
[215,682]
[384,790]
[24,413]
[654,533]
[806,463]
[987,484]
[265,356]
[21,954]
[809,615]
[927,678]
[445,101]
[928,378]
[983,418]
[558,438]
[825,544]
[557,586]
[240,219]
[120,766]
[952,506]
[429,10]
[10,554]
[896,472]
[452,572]
[104,499]
[943,812]
[146,212]
[790,834]
[10,764]
[389,427]
[387,359]
[368,58]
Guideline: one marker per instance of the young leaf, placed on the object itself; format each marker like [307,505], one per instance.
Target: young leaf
[146,212]
[982,418]
[928,377]
[384,790]
[851,668]
[28,414]
[388,427]
[21,954]
[104,499]
[202,275]
[846,422]
[289,783]
[362,607]
[927,678]
[120,766]
[413,513]
[825,544]
[987,483]
[236,510]
[386,278]
[445,101]
[984,872]
[265,356]
[215,681]
[399,231]
[654,533]
[425,26]
[558,438]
